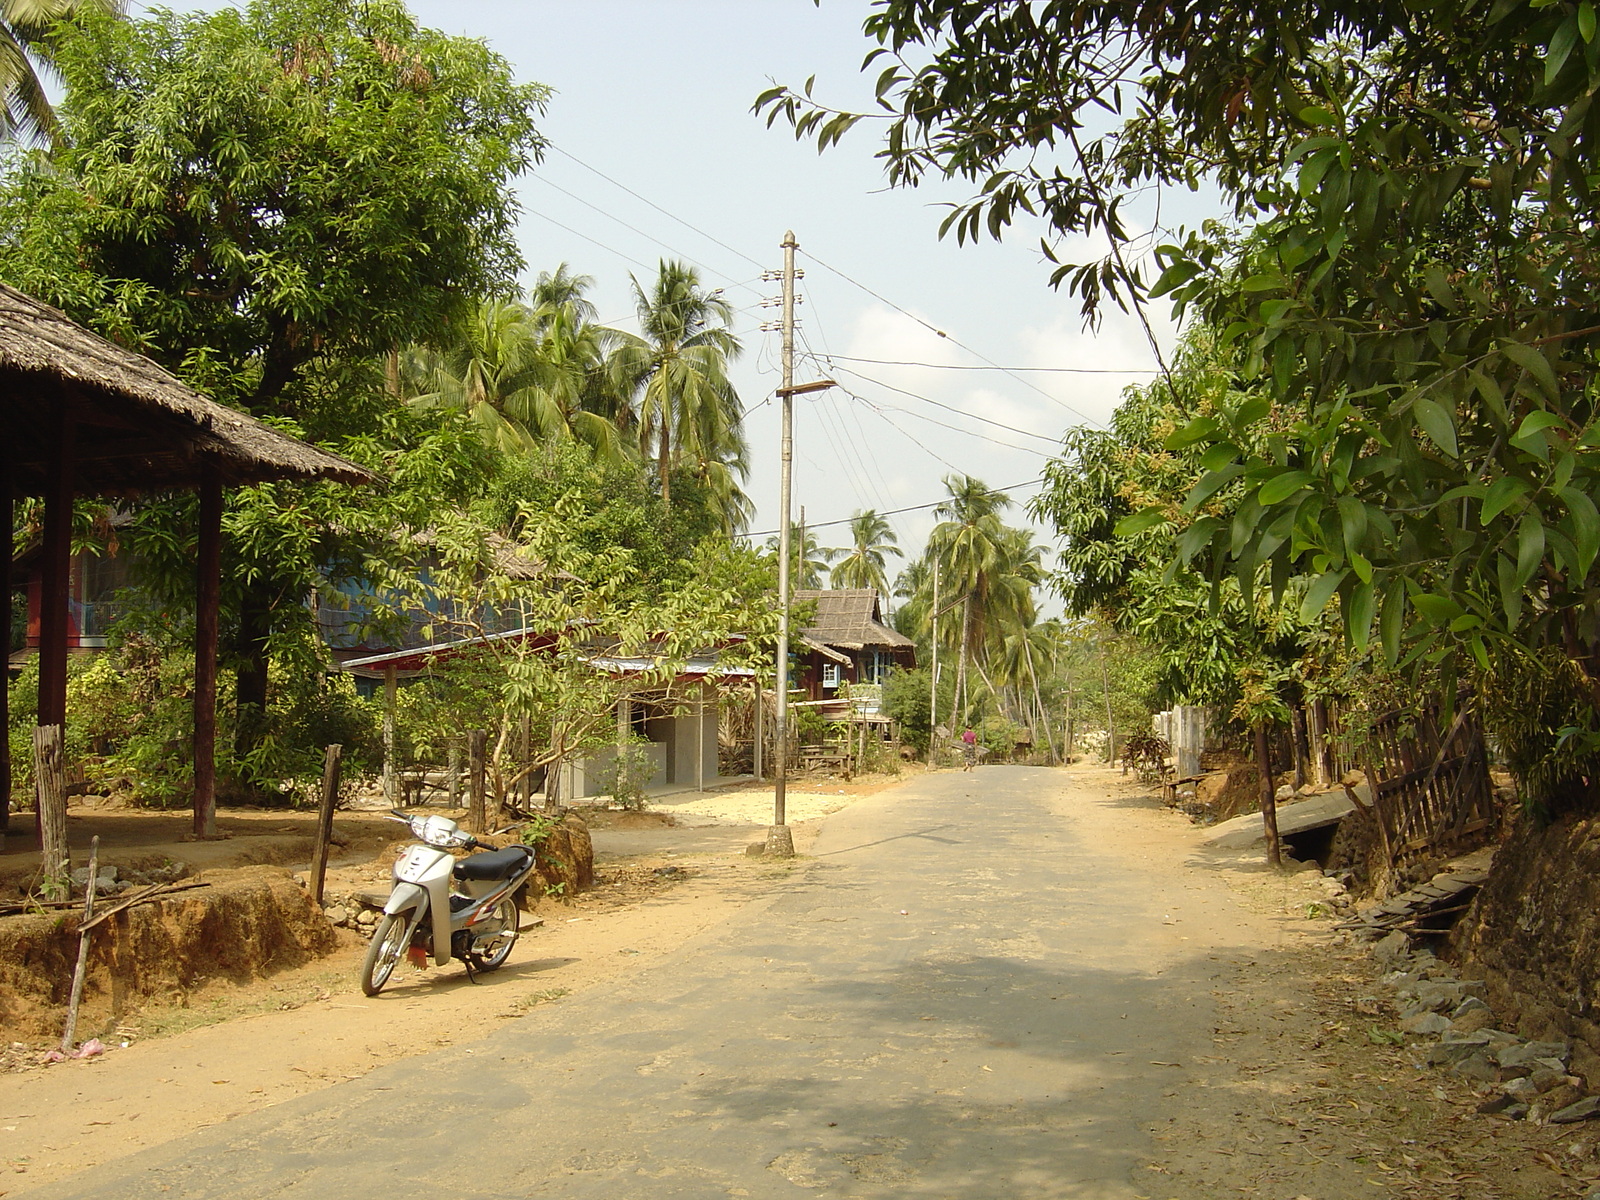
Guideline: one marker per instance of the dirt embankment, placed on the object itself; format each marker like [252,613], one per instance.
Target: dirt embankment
[246,924]
[1534,935]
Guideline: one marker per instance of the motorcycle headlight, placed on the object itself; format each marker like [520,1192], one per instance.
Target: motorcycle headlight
[436,831]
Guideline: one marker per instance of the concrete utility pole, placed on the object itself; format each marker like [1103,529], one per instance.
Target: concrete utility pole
[933,687]
[780,841]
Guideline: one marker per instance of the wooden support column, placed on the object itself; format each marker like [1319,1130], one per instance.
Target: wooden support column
[55,583]
[8,504]
[477,744]
[56,571]
[207,600]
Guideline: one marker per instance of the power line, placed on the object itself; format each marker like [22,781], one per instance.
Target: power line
[635,229]
[895,362]
[587,238]
[1012,487]
[934,329]
[960,412]
[673,216]
[880,405]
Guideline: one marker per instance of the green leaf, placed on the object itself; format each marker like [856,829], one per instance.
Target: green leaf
[1435,609]
[1352,522]
[1536,364]
[1140,521]
[1218,456]
[1534,424]
[1280,487]
[1437,423]
[1586,21]
[1505,491]
[1530,547]
[1561,44]
[1197,430]
[1585,527]
[1319,593]
[1209,484]
[1315,114]
[1263,283]
[1251,411]
[1359,608]
[1392,623]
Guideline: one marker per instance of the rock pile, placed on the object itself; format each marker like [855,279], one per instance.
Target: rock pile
[111,879]
[1519,1079]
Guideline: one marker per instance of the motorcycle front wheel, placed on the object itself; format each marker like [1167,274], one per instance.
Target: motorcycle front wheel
[388,947]
[498,946]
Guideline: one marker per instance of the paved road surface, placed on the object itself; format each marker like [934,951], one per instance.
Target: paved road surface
[964,999]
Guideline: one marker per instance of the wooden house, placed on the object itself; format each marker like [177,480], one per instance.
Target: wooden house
[846,643]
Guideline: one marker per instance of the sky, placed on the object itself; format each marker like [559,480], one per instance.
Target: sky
[654,152]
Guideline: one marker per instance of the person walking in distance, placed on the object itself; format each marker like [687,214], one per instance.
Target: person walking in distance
[969,748]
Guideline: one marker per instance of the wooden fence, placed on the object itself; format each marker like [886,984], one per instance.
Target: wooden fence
[1430,785]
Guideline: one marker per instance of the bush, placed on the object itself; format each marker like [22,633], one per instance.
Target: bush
[624,776]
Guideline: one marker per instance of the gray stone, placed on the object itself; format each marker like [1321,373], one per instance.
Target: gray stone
[1543,1079]
[1516,1112]
[755,849]
[1528,1053]
[1395,948]
[1477,1066]
[1437,996]
[1454,1047]
[1400,979]
[1583,1110]
[366,917]
[337,915]
[1425,1024]
[1520,1089]
[1470,1005]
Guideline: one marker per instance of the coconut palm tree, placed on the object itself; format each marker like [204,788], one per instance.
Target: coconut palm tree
[970,544]
[685,409]
[862,563]
[27,47]
[808,561]
[525,373]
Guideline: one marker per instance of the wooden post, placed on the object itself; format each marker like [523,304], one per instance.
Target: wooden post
[390,700]
[1269,802]
[49,777]
[82,968]
[330,797]
[9,505]
[477,739]
[453,769]
[207,599]
[56,571]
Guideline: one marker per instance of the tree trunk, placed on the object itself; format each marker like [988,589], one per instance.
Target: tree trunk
[1269,803]
[1111,726]
[664,462]
[961,661]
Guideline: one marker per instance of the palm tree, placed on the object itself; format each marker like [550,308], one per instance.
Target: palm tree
[26,47]
[525,373]
[862,563]
[677,368]
[970,545]
[808,561]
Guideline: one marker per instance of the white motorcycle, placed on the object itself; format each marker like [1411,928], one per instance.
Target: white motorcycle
[476,921]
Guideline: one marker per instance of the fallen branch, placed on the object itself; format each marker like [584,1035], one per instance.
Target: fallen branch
[91,886]
[154,891]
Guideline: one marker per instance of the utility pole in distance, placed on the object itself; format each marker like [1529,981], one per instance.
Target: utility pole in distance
[780,841]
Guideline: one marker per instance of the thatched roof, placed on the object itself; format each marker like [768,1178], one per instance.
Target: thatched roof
[137,428]
[849,619]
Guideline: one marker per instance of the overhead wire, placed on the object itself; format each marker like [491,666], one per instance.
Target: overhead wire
[1010,487]
[895,362]
[960,412]
[934,329]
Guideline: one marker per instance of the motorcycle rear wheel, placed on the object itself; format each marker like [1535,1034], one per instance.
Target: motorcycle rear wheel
[387,948]
[506,913]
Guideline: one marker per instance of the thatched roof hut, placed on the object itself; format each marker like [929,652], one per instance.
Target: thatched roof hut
[850,619]
[136,427]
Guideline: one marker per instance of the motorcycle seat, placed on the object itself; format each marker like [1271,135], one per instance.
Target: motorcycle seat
[493,864]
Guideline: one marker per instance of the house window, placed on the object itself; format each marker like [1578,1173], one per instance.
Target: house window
[830,675]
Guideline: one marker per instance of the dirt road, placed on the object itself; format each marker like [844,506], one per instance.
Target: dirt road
[1011,982]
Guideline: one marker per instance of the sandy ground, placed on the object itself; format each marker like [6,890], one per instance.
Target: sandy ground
[1292,1099]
